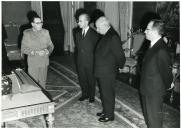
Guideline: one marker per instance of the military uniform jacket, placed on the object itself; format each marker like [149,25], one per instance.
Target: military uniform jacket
[156,73]
[36,41]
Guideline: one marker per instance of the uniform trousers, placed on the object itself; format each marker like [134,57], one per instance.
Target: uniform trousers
[39,74]
[107,95]
[153,111]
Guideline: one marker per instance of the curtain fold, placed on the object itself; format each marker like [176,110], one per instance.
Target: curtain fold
[101,6]
[125,22]
[37,6]
[120,17]
[68,9]
[113,15]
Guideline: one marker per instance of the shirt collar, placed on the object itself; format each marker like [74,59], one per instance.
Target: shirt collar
[34,30]
[107,30]
[86,29]
[154,41]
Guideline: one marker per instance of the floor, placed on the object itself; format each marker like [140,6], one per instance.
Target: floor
[69,61]
[63,86]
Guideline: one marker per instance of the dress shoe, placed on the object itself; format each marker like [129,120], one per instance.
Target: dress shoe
[91,100]
[100,114]
[105,119]
[83,98]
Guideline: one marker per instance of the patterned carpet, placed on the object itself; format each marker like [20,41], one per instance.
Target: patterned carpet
[62,85]
[70,113]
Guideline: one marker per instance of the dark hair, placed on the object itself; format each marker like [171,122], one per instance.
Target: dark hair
[78,13]
[159,25]
[147,17]
[33,17]
[86,15]
[96,14]
[31,14]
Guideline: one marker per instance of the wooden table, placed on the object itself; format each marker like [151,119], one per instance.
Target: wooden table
[27,100]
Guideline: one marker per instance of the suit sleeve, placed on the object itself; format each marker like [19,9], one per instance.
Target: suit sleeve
[164,67]
[117,50]
[26,41]
[95,39]
[76,42]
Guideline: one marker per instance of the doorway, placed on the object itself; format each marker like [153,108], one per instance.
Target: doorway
[53,22]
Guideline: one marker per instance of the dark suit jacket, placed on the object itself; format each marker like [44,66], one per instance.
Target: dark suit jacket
[85,48]
[156,73]
[109,55]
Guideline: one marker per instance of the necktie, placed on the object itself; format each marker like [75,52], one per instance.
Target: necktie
[83,33]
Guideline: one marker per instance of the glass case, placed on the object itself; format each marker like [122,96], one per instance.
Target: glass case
[26,99]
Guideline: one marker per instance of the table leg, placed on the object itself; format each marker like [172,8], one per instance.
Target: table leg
[43,118]
[130,75]
[3,125]
[50,120]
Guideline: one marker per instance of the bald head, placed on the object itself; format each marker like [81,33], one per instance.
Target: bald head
[102,25]
[103,21]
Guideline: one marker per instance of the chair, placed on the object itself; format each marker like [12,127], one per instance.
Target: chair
[13,52]
[131,61]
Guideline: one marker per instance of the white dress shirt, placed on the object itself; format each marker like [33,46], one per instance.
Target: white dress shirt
[84,31]
[153,42]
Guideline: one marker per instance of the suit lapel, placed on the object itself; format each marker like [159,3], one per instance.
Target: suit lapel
[80,38]
[153,50]
[87,33]
[105,38]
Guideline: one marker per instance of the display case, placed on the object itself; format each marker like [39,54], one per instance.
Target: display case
[27,99]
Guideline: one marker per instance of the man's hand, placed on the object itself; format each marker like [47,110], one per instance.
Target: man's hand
[172,85]
[46,52]
[32,53]
[43,53]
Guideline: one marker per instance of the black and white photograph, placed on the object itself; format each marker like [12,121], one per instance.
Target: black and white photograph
[90,64]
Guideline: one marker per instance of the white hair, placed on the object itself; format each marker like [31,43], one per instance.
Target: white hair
[103,21]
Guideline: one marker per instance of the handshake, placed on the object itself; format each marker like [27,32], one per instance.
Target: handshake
[42,53]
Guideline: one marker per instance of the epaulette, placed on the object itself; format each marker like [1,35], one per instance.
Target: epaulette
[28,30]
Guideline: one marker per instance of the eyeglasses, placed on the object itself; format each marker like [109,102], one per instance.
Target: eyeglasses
[38,22]
[147,29]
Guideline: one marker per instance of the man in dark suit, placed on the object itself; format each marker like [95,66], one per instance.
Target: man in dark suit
[156,75]
[85,45]
[109,56]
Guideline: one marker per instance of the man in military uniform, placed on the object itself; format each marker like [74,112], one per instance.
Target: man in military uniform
[37,44]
